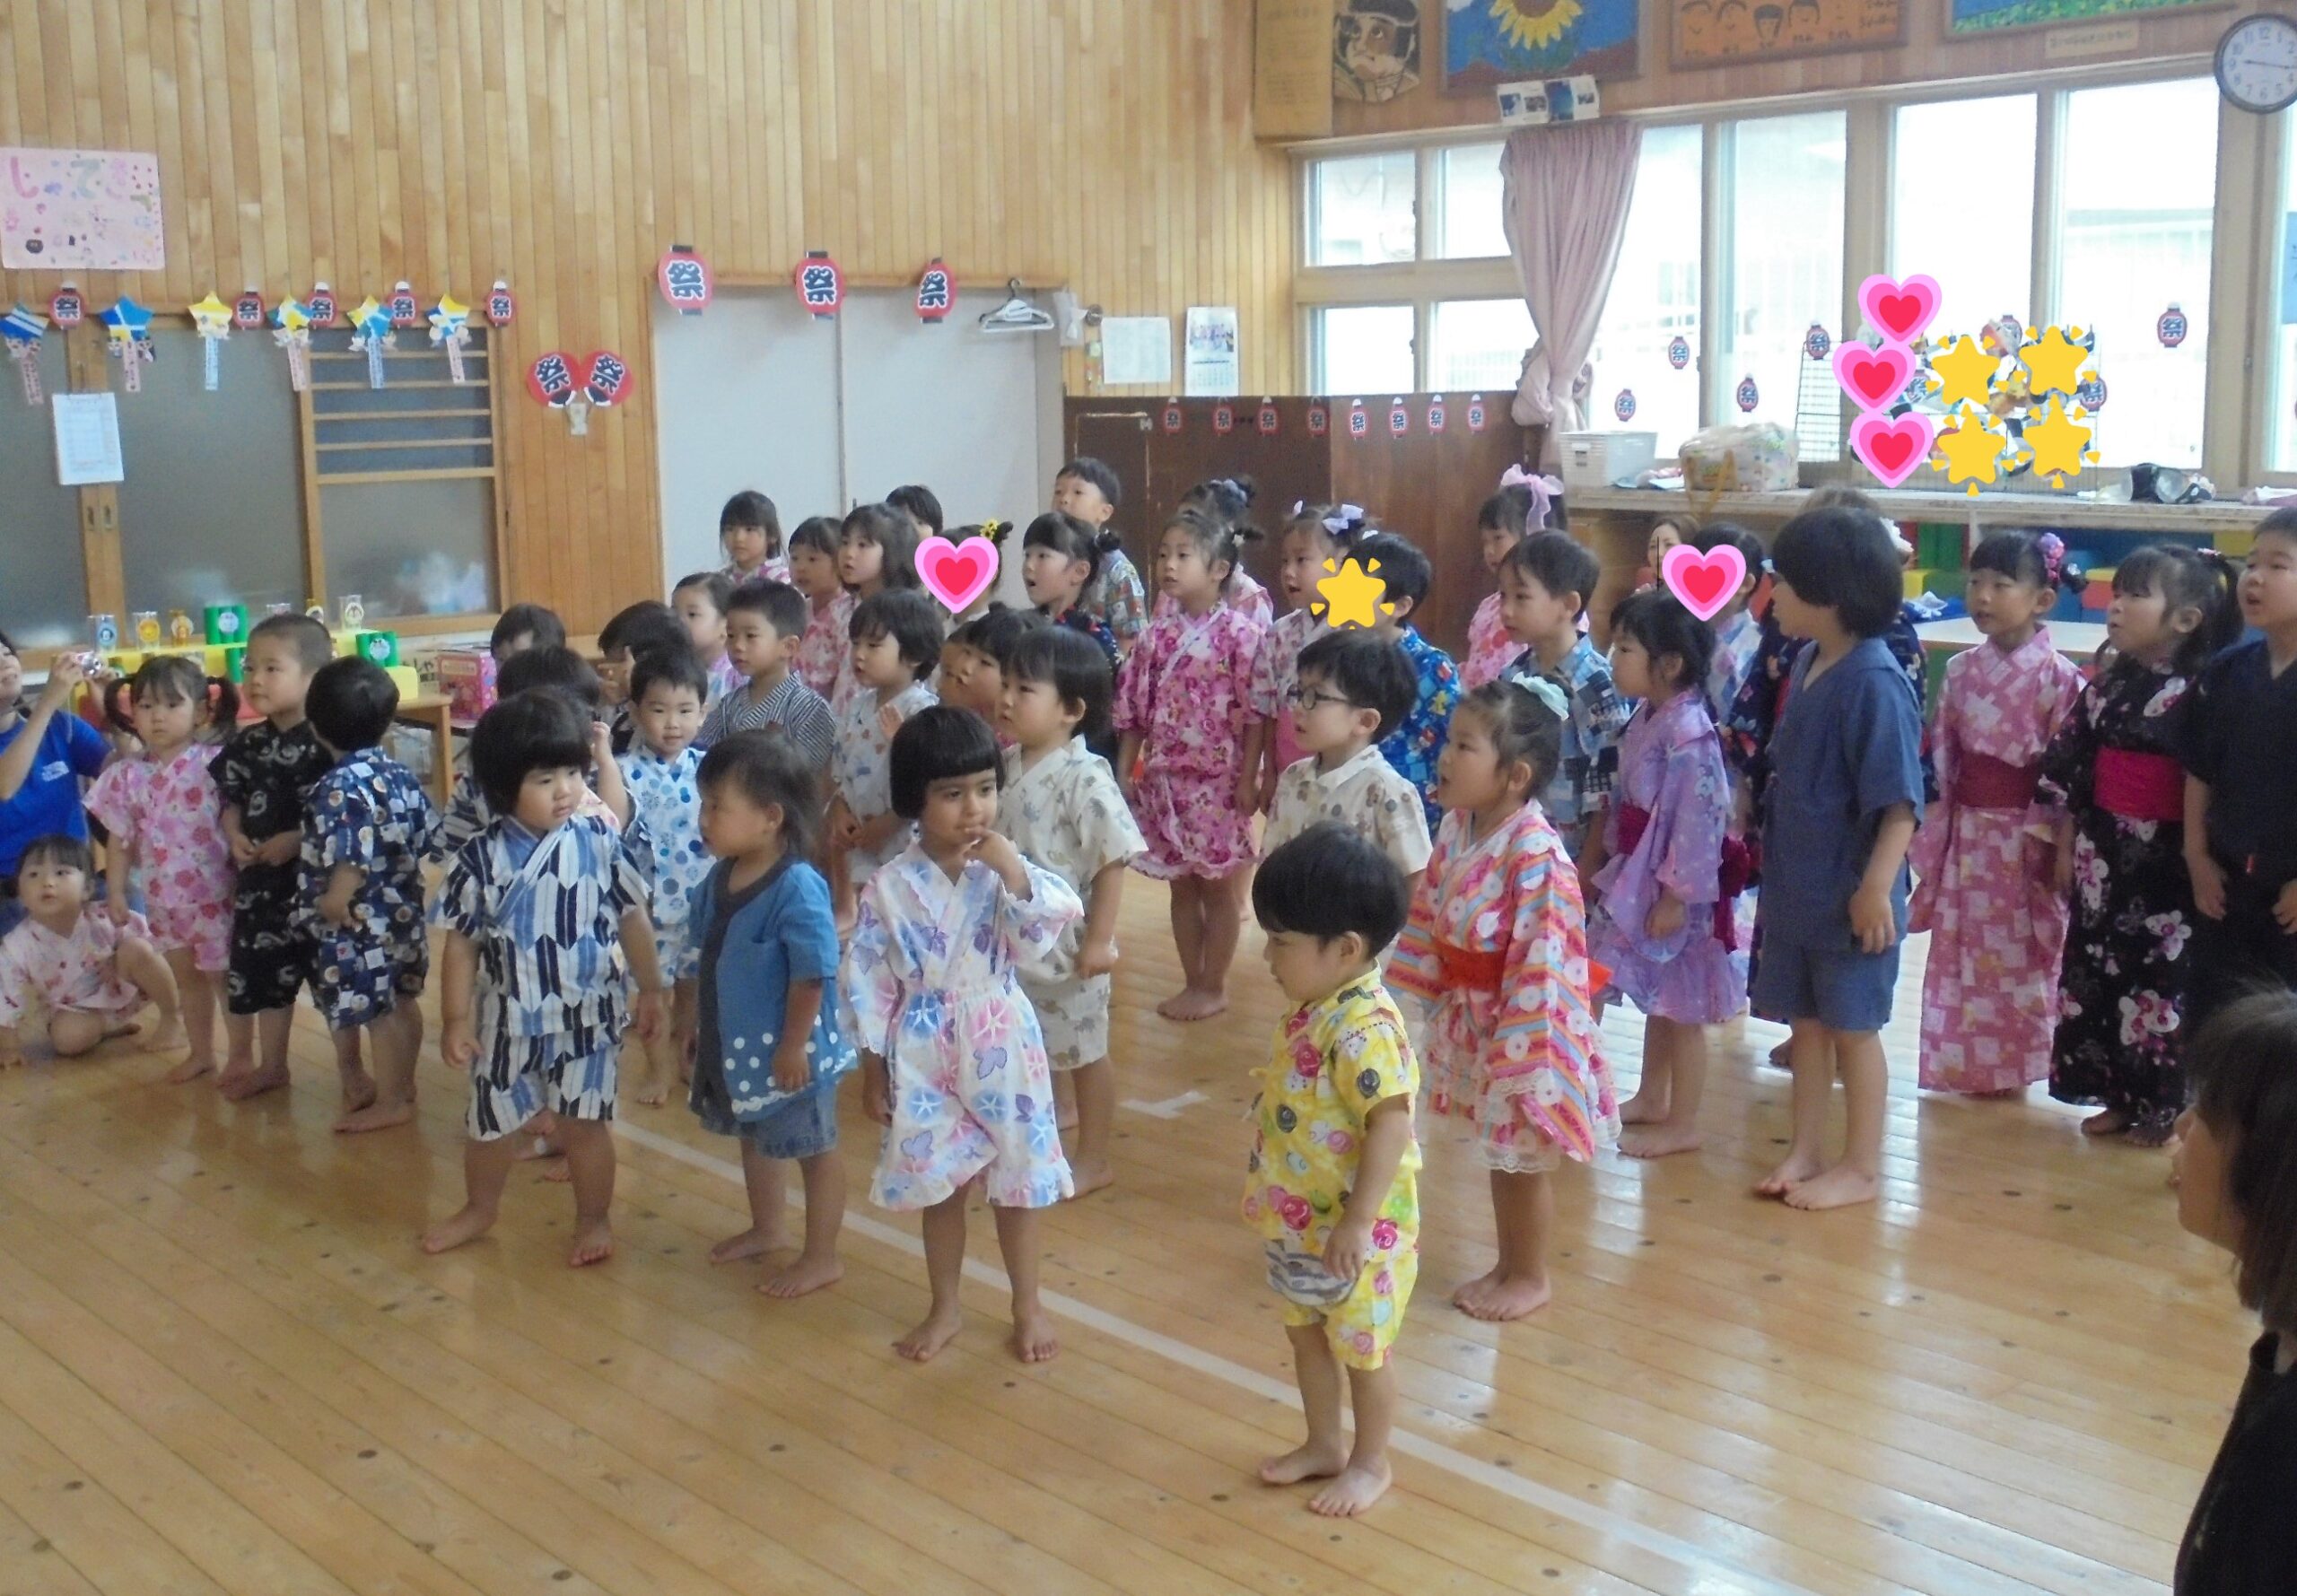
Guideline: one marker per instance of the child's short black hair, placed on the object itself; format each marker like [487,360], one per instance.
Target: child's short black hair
[2186,577]
[2021,555]
[1407,572]
[649,626]
[307,639]
[1327,882]
[536,623]
[918,503]
[817,533]
[938,744]
[1509,509]
[674,668]
[57,848]
[2281,524]
[995,630]
[770,770]
[183,678]
[782,605]
[717,583]
[541,729]
[1094,474]
[1845,561]
[1072,539]
[1559,563]
[1714,535]
[351,703]
[910,618]
[1660,626]
[1369,672]
[1073,666]
[750,508]
[2243,1067]
[892,531]
[556,667]
[1230,498]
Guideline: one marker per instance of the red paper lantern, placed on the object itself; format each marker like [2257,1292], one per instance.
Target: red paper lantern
[684,278]
[401,307]
[1475,413]
[501,305]
[1266,420]
[551,379]
[1399,420]
[1224,419]
[1436,414]
[820,285]
[937,291]
[67,308]
[321,307]
[1319,420]
[1172,417]
[1359,424]
[247,314]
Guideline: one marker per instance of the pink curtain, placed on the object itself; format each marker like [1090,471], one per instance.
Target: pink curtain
[1564,204]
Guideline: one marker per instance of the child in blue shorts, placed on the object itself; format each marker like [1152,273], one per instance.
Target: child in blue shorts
[1840,811]
[768,1049]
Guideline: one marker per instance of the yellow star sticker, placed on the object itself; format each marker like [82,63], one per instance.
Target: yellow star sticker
[1352,595]
[2054,363]
[1972,448]
[1965,370]
[2058,443]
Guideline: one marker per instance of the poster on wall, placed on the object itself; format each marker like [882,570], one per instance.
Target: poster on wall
[1211,368]
[1292,91]
[1491,42]
[65,208]
[1719,33]
[1137,349]
[1375,49]
[1970,19]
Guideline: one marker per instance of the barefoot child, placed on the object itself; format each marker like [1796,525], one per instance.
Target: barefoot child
[90,973]
[765,621]
[1332,1183]
[1846,777]
[1523,505]
[1414,744]
[1353,690]
[367,824]
[1496,944]
[1315,533]
[953,1062]
[163,814]
[46,751]
[897,637]
[1543,593]
[768,950]
[877,549]
[667,694]
[1087,489]
[545,919]
[829,607]
[1663,924]
[1063,811]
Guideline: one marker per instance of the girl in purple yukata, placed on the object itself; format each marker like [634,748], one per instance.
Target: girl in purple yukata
[953,1062]
[1662,923]
[1186,703]
[1986,859]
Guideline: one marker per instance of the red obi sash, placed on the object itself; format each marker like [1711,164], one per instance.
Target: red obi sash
[1984,782]
[2140,786]
[1736,873]
[1471,967]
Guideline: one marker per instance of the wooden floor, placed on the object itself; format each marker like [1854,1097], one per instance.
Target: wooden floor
[224,1367]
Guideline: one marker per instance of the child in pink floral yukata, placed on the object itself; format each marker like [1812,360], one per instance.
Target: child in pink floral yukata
[1190,757]
[166,821]
[89,973]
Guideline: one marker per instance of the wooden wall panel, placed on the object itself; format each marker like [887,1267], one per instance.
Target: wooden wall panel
[1102,145]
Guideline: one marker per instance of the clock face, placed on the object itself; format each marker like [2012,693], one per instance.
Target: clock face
[2256,63]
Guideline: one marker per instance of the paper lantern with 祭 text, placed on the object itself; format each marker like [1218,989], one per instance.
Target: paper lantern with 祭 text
[1478,416]
[1436,414]
[1399,419]
[2171,327]
[404,310]
[502,304]
[247,311]
[67,307]
[1319,419]
[1359,424]
[321,307]
[605,378]
[937,291]
[1172,415]
[1266,420]
[684,278]
[1679,352]
[1224,419]
[820,285]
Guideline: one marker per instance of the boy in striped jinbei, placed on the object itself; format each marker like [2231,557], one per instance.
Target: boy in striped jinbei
[546,920]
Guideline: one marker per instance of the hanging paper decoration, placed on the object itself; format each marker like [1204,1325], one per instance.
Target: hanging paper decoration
[1266,420]
[684,278]
[1436,414]
[1359,424]
[821,287]
[552,381]
[291,326]
[1816,343]
[404,311]
[605,378]
[1399,419]
[1623,406]
[450,330]
[66,308]
[211,319]
[129,325]
[937,291]
[247,311]
[1319,419]
[1224,419]
[2171,328]
[321,307]
[1172,415]
[1747,394]
[1679,352]
[501,304]
[1476,415]
[371,330]
[2092,394]
[23,328]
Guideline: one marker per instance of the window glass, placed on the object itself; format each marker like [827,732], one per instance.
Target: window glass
[1479,344]
[1467,201]
[1363,349]
[1784,207]
[2281,426]
[1982,254]
[1360,209]
[1653,298]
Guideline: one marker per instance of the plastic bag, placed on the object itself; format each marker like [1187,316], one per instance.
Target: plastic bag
[1759,458]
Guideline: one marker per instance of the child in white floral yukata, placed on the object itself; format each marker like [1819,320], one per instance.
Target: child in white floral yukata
[89,973]
[1354,689]
[896,641]
[669,692]
[1062,809]
[952,1058]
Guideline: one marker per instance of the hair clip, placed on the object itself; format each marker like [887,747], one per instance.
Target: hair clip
[1543,490]
[1346,521]
[1539,687]
[2053,552]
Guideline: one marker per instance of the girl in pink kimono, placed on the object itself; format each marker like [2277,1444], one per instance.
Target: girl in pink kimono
[1672,873]
[1987,852]
[953,1062]
[1521,507]
[1189,761]
[167,824]
[1316,534]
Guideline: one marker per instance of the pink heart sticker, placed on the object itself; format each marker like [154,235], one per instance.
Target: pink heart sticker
[1891,449]
[956,573]
[1873,378]
[1704,582]
[1900,310]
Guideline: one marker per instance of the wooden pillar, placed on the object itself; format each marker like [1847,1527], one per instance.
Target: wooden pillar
[106,575]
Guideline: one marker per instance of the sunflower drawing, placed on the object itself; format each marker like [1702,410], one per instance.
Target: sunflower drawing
[1534,25]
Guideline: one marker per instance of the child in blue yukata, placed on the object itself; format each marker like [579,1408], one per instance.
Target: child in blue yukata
[661,774]
[770,1050]
[1544,592]
[366,825]
[1412,748]
[629,636]
[1837,817]
[546,920]
[559,668]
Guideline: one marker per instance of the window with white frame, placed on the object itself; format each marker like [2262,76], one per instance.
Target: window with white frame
[1363,209]
[1782,209]
[1982,253]
[1479,344]
[1363,349]
[1653,298]
[1466,203]
[2281,425]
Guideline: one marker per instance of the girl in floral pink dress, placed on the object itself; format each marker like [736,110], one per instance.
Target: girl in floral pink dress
[89,973]
[823,650]
[1497,946]
[1986,854]
[167,822]
[1316,534]
[1522,506]
[1228,500]
[1185,703]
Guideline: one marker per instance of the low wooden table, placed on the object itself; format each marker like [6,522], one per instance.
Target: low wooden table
[435,711]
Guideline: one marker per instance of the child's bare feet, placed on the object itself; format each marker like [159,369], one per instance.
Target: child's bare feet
[1089,1178]
[2145,1135]
[651,1088]
[1788,1175]
[190,1070]
[1501,1297]
[808,1274]
[593,1243]
[1189,1004]
[1659,1140]
[752,1243]
[1642,1109]
[2110,1121]
[1309,1462]
[1034,1342]
[1777,1059]
[1353,1490]
[1467,1291]
[466,1224]
[929,1337]
[375,1116]
[1839,1188]
[255,1083]
[557,1173]
[359,1089]
[171,1034]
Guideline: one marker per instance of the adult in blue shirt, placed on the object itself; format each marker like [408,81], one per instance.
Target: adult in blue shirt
[44,756]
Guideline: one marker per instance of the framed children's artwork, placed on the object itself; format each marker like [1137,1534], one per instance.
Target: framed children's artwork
[68,208]
[1722,32]
[1974,19]
[1491,42]
[1374,49]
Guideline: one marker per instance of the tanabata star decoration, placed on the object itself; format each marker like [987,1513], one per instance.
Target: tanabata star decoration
[2061,445]
[1964,371]
[2054,362]
[1351,595]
